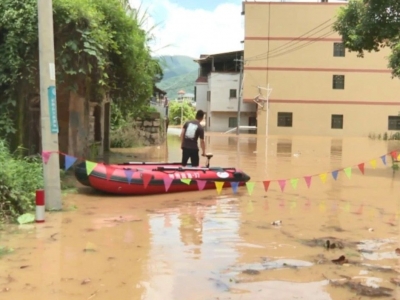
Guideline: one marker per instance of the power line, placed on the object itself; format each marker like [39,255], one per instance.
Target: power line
[295,39]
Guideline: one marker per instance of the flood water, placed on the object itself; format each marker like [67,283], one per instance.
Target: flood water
[201,245]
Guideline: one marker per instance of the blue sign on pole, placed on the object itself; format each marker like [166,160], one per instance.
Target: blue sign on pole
[51,90]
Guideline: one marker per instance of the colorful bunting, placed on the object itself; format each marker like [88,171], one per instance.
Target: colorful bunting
[90,167]
[348,172]
[250,187]
[308,180]
[186,180]
[109,172]
[294,182]
[167,182]
[323,177]
[201,184]
[69,161]
[234,186]
[282,184]
[361,167]
[266,185]
[373,163]
[219,185]
[46,156]
[128,175]
[146,178]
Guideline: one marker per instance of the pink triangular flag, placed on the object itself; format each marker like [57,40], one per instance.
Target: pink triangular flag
[282,184]
[46,156]
[167,182]
[308,180]
[146,177]
[201,184]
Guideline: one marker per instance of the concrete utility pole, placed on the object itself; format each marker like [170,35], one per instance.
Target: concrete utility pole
[241,61]
[48,105]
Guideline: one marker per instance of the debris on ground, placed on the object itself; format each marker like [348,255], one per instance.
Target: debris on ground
[276,223]
[251,272]
[341,260]
[359,288]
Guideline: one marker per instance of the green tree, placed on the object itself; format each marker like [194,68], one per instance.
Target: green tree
[100,49]
[369,25]
[175,110]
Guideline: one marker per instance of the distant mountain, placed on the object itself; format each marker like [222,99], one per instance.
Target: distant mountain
[180,73]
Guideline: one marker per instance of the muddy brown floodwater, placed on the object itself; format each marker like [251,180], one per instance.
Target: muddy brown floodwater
[201,245]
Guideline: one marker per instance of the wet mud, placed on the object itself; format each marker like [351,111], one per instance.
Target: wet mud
[332,240]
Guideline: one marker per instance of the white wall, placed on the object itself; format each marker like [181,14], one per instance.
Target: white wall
[219,84]
[219,121]
[201,96]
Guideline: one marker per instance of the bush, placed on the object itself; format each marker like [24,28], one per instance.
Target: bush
[19,180]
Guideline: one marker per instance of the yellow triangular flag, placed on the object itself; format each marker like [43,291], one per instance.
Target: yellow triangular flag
[373,163]
[250,207]
[250,187]
[219,185]
[186,180]
[323,177]
[90,167]
[294,182]
[322,206]
[348,172]
[398,157]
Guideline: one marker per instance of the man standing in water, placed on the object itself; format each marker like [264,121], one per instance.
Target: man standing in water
[191,131]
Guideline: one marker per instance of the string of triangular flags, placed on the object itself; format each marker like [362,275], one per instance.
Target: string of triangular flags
[90,166]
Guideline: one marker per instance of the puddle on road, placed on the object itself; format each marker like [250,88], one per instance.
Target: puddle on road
[201,245]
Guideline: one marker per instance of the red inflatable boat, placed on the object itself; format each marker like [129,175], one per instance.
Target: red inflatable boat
[158,178]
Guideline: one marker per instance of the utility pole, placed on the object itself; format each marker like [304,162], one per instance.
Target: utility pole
[241,61]
[48,105]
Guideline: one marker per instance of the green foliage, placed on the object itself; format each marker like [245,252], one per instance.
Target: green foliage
[175,109]
[369,25]
[100,48]
[19,179]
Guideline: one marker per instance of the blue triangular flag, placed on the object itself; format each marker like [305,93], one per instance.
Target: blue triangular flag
[383,157]
[335,174]
[128,174]
[69,161]
[234,186]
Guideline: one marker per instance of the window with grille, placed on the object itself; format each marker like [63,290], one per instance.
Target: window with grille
[338,82]
[285,119]
[394,122]
[232,122]
[339,50]
[337,122]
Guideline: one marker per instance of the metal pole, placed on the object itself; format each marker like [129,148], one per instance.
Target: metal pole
[267,125]
[240,94]
[48,105]
[182,112]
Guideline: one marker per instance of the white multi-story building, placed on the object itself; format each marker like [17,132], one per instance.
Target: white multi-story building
[217,92]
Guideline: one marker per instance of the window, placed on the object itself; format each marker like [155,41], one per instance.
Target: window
[285,119]
[338,82]
[337,122]
[339,50]
[232,122]
[394,123]
[208,95]
[232,93]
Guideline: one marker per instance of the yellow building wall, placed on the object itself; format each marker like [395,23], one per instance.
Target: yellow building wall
[300,72]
